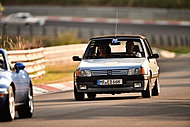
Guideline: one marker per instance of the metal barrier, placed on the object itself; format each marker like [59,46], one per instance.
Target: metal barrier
[33,59]
[63,54]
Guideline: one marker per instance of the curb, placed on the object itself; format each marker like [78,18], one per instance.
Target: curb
[52,88]
[111,20]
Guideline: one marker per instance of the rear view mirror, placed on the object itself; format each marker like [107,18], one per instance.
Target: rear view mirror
[76,58]
[154,56]
[18,67]
[115,42]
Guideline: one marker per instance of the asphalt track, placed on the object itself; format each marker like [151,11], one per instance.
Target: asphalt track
[171,108]
[128,28]
[87,30]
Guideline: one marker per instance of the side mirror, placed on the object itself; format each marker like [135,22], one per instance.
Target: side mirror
[18,67]
[154,56]
[76,58]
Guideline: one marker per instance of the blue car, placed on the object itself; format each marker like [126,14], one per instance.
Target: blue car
[15,90]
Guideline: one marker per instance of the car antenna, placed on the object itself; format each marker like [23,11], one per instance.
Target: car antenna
[116,22]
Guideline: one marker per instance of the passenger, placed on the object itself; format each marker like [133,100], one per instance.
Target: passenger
[92,51]
[130,49]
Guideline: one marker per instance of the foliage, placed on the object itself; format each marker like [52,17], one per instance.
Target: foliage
[62,39]
[19,43]
[180,50]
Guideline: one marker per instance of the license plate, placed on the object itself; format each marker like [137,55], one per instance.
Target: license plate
[109,82]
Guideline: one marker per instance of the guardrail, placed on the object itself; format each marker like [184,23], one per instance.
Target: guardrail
[63,54]
[33,59]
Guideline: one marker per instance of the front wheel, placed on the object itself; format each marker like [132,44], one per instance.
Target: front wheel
[8,111]
[148,92]
[78,96]
[27,110]
[156,88]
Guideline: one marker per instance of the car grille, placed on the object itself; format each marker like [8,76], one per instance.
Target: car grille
[109,72]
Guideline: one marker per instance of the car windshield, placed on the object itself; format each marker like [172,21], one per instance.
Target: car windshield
[114,48]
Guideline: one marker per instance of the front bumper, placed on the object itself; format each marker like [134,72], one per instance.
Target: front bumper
[3,101]
[127,86]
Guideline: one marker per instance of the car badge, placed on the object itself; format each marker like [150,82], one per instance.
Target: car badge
[109,72]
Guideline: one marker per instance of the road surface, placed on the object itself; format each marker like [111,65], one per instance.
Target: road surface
[170,109]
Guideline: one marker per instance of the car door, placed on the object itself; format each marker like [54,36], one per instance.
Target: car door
[152,63]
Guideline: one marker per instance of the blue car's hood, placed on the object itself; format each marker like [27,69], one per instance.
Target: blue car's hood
[5,79]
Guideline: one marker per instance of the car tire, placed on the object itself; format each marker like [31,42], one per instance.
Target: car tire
[148,92]
[8,111]
[78,96]
[91,95]
[156,88]
[26,111]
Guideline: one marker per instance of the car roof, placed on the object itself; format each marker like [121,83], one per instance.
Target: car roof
[119,35]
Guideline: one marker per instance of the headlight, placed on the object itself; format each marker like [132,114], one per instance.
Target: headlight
[136,71]
[83,73]
[3,91]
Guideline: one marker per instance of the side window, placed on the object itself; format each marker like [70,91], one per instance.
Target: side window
[148,47]
[2,62]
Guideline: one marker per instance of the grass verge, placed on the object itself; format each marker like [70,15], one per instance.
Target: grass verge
[179,50]
[55,74]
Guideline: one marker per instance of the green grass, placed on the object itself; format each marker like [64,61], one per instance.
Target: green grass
[63,39]
[56,74]
[179,50]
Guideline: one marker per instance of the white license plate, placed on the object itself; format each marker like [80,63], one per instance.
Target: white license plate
[109,82]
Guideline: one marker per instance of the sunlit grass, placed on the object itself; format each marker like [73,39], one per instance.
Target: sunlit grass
[58,73]
[179,50]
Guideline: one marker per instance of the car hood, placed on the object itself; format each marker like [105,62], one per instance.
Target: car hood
[5,79]
[115,63]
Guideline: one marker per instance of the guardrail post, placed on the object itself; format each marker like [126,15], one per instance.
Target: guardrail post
[18,30]
[169,40]
[30,30]
[102,32]
[182,41]
[161,40]
[44,30]
[175,41]
[186,41]
[79,35]
[4,30]
[153,39]
[55,31]
[91,33]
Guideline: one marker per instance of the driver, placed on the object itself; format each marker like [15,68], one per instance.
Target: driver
[130,49]
[104,51]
